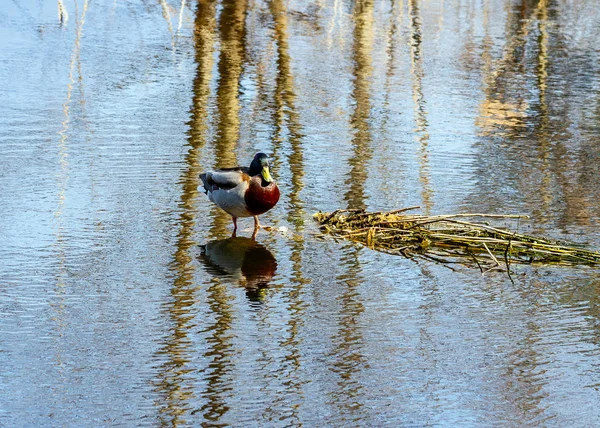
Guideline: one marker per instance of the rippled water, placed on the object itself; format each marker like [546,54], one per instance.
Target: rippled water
[123,299]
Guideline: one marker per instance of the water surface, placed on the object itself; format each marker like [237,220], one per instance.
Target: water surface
[125,301]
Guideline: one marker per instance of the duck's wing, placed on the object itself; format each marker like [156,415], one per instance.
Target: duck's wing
[223,178]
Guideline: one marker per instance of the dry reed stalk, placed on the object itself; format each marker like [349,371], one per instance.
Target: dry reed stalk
[450,239]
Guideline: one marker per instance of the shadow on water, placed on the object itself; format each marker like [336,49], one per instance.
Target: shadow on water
[242,260]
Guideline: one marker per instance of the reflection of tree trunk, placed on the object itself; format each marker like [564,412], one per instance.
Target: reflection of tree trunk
[232,31]
[63,15]
[172,376]
[347,354]
[419,104]
[286,110]
[542,121]
[525,376]
[391,57]
[363,70]
[219,353]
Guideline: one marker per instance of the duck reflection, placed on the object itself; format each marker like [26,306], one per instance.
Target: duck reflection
[242,259]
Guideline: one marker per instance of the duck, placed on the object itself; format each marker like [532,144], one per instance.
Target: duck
[243,191]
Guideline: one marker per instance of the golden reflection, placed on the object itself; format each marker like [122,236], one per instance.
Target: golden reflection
[363,71]
[391,57]
[542,131]
[286,110]
[242,259]
[347,340]
[496,116]
[499,114]
[218,354]
[416,68]
[173,372]
[232,34]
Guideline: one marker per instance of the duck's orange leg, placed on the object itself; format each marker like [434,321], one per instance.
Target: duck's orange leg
[234,226]
[256,227]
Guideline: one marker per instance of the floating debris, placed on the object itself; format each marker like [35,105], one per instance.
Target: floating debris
[451,239]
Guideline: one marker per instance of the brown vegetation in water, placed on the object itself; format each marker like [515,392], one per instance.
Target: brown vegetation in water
[451,239]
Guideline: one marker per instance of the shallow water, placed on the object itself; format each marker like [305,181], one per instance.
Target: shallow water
[123,299]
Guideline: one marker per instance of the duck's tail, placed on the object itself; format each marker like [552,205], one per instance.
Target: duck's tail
[206,182]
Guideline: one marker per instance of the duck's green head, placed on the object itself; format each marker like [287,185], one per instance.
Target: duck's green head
[260,165]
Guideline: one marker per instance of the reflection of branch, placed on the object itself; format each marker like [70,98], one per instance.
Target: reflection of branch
[167,16]
[62,145]
[63,178]
[542,79]
[180,16]
[347,353]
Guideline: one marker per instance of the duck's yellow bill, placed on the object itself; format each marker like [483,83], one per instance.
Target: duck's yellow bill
[266,174]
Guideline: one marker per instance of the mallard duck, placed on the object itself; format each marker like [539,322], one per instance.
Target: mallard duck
[241,191]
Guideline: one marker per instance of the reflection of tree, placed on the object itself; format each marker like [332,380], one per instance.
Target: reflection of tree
[285,110]
[173,372]
[527,154]
[524,123]
[422,133]
[525,118]
[232,53]
[363,70]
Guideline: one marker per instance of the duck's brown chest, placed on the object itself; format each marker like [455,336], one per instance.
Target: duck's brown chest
[260,199]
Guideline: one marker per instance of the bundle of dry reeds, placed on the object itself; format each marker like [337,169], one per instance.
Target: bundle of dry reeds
[451,239]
